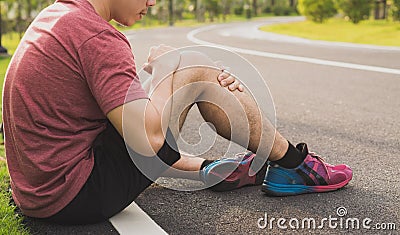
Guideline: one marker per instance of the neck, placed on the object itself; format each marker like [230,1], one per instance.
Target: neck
[102,8]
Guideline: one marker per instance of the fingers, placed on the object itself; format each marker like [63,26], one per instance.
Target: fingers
[234,86]
[224,75]
[241,88]
[227,80]
[147,67]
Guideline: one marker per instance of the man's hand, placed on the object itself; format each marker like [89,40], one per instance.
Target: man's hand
[154,53]
[227,80]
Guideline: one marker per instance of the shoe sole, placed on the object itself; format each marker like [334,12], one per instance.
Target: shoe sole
[281,190]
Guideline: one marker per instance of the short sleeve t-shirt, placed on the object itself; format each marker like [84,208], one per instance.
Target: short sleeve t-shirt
[70,69]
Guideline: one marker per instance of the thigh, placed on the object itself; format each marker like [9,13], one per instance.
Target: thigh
[115,180]
[112,185]
[119,179]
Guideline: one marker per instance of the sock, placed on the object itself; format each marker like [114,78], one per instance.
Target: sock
[206,163]
[292,158]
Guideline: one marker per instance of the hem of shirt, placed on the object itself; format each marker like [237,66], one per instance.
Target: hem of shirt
[70,194]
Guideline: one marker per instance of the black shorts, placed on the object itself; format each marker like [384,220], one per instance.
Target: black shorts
[115,181]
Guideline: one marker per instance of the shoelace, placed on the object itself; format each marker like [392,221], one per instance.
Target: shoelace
[324,164]
[237,157]
[242,156]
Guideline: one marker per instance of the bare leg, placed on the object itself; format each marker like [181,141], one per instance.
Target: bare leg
[198,85]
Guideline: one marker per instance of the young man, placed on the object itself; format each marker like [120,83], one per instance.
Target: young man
[71,83]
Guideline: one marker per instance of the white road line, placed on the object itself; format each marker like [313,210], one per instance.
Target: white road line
[191,36]
[133,220]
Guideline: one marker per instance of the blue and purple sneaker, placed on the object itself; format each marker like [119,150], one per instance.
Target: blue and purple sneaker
[232,173]
[314,175]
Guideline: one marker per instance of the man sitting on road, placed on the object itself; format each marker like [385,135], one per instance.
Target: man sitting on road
[65,96]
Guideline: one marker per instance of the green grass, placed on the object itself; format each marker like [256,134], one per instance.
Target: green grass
[10,41]
[148,22]
[375,32]
[10,223]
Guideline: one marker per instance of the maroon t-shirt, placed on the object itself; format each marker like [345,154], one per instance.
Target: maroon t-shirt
[70,69]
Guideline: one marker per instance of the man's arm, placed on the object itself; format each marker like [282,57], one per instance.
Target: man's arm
[142,118]
[145,122]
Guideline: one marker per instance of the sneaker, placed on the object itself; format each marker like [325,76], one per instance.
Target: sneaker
[314,175]
[227,174]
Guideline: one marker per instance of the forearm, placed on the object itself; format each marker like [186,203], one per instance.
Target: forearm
[160,89]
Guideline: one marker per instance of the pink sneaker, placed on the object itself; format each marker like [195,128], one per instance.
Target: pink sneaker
[312,176]
[227,174]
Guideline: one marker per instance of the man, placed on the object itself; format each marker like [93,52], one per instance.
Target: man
[72,82]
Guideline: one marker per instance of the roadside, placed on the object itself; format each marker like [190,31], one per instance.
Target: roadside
[382,32]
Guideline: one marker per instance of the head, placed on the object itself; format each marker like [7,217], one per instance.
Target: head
[125,12]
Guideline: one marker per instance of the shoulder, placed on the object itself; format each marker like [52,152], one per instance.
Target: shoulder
[76,22]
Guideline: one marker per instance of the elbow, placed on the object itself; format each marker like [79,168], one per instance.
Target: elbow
[146,143]
[157,141]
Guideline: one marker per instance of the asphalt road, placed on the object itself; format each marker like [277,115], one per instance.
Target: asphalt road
[346,115]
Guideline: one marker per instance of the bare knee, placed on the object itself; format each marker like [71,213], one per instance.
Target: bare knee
[195,66]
